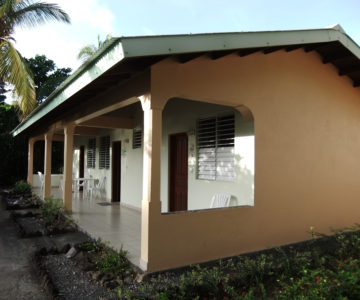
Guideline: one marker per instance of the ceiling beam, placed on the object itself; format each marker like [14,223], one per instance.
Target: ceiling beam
[335,56]
[349,70]
[356,83]
[219,54]
[292,48]
[246,52]
[272,49]
[89,131]
[109,122]
[107,109]
[184,58]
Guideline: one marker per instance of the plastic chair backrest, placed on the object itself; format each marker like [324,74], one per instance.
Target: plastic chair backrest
[40,176]
[220,200]
[101,182]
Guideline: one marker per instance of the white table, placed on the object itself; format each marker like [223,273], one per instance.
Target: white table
[86,182]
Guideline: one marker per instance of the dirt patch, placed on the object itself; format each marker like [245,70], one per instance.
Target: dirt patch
[31,224]
[15,202]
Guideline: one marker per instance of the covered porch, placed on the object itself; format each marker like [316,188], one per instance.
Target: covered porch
[118,225]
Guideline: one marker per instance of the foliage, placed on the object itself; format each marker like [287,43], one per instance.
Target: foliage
[21,187]
[111,261]
[107,260]
[47,77]
[13,150]
[3,91]
[324,268]
[89,50]
[13,69]
[51,211]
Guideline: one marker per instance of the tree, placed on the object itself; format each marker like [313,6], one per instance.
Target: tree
[13,150]
[3,91]
[47,77]
[13,69]
[87,51]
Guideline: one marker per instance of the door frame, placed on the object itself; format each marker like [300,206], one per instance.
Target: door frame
[116,171]
[169,169]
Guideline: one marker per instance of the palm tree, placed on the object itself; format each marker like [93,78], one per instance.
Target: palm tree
[13,69]
[87,51]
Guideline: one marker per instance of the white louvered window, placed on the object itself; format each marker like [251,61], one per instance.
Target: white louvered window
[215,148]
[91,150]
[137,138]
[104,153]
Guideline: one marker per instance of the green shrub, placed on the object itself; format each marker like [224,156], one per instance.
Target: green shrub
[21,187]
[51,211]
[110,261]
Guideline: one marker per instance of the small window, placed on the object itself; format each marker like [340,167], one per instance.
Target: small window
[137,138]
[215,145]
[91,151]
[104,153]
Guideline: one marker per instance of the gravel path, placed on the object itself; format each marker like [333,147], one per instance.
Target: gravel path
[18,279]
[70,281]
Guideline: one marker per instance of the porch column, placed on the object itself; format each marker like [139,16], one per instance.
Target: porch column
[30,161]
[151,204]
[68,164]
[47,164]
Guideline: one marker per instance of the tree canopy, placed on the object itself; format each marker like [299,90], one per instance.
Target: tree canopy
[13,70]
[47,77]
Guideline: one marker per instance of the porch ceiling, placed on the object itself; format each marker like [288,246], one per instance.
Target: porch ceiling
[123,60]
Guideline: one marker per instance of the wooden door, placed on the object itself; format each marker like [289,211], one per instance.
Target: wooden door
[81,164]
[178,172]
[116,171]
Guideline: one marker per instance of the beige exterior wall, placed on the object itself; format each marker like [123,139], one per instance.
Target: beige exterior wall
[307,120]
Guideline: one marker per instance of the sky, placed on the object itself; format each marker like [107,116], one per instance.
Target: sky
[90,18]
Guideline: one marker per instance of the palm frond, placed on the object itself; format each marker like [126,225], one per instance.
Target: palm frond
[86,52]
[29,13]
[13,70]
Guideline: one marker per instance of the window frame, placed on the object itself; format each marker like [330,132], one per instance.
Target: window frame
[215,137]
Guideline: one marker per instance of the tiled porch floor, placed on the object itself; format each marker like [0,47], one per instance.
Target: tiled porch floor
[116,224]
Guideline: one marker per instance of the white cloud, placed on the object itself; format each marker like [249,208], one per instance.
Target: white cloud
[89,12]
[62,42]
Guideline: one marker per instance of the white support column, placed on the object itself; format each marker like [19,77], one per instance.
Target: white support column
[68,163]
[47,164]
[151,204]
[30,161]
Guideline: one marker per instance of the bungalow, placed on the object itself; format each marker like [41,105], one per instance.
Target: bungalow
[270,118]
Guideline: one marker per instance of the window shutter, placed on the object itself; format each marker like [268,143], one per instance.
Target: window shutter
[104,153]
[225,132]
[206,143]
[137,138]
[91,153]
[215,144]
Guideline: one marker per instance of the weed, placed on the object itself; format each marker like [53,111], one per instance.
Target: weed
[21,187]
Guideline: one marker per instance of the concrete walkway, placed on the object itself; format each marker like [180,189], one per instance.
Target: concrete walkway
[18,279]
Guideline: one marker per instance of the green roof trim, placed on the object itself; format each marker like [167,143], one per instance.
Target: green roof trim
[117,49]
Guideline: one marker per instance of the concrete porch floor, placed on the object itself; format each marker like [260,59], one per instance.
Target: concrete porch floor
[116,224]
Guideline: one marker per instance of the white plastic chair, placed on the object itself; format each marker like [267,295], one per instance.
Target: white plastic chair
[61,185]
[41,178]
[220,200]
[98,187]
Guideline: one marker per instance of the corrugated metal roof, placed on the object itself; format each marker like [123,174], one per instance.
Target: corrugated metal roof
[332,43]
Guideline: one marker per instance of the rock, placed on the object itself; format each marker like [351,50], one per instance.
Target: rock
[96,275]
[139,278]
[71,253]
[128,280]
